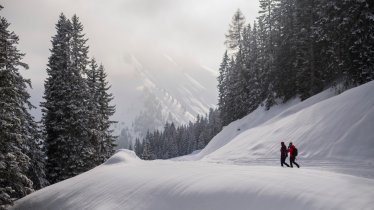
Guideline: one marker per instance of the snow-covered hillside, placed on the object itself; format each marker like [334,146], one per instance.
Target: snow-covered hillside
[239,169]
[323,127]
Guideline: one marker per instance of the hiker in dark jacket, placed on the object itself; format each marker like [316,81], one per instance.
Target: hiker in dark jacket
[292,150]
[284,152]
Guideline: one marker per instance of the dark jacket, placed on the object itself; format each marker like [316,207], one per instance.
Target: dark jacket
[283,151]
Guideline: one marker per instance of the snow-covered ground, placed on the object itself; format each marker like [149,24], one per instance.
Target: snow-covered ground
[239,169]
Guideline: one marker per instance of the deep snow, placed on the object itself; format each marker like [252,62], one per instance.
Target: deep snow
[239,169]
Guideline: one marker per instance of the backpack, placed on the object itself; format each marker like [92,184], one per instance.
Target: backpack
[294,152]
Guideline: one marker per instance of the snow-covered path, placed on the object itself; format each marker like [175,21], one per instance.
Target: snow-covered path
[127,183]
[354,168]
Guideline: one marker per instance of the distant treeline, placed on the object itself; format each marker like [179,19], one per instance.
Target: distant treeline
[177,141]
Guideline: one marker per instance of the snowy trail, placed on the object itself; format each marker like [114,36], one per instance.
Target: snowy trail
[170,185]
[354,168]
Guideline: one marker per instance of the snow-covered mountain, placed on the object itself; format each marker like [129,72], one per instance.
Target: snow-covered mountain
[240,169]
[166,90]
[180,94]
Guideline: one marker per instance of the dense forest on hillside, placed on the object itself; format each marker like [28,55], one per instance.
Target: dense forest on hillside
[293,49]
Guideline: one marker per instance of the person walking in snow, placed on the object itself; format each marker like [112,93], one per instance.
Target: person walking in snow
[293,153]
[284,155]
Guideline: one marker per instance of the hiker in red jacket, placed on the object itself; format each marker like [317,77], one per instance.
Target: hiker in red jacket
[293,153]
[284,155]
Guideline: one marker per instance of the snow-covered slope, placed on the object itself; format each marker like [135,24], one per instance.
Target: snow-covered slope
[339,128]
[328,130]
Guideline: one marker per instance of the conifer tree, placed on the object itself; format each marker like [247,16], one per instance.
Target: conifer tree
[95,135]
[138,147]
[267,34]
[54,111]
[222,88]
[35,150]
[18,129]
[106,110]
[253,64]
[234,35]
[286,50]
[65,109]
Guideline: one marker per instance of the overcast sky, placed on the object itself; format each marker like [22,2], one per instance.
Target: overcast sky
[182,31]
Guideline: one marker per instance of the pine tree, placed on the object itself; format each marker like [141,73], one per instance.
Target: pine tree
[53,111]
[253,64]
[18,129]
[234,35]
[147,153]
[286,50]
[79,99]
[106,110]
[215,123]
[65,109]
[309,81]
[267,26]
[238,86]
[35,151]
[138,147]
[95,134]
[223,88]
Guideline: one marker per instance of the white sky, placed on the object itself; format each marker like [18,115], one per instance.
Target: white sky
[182,31]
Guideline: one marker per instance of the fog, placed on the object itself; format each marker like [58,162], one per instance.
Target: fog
[178,35]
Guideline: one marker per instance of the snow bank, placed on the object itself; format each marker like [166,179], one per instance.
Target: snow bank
[338,128]
[122,156]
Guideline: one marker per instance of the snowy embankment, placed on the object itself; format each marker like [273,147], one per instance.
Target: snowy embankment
[332,129]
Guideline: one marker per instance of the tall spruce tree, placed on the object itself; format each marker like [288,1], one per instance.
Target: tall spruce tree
[80,99]
[95,134]
[105,111]
[253,64]
[54,107]
[222,88]
[267,30]
[18,134]
[65,109]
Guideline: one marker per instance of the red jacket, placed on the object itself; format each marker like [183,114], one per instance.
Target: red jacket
[290,149]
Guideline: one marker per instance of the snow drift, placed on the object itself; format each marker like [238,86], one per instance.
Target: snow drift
[334,129]
[122,156]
